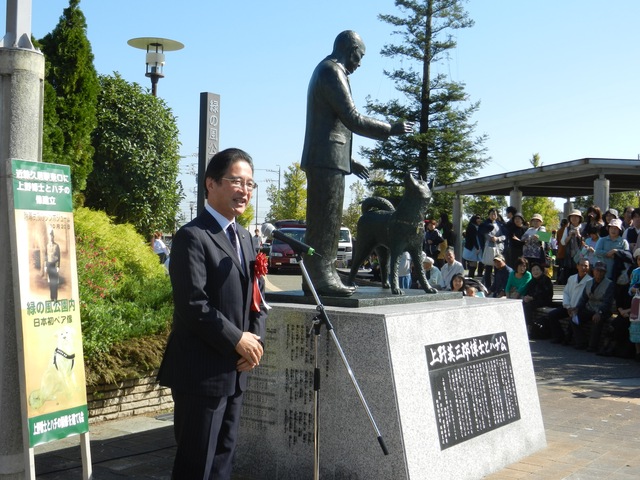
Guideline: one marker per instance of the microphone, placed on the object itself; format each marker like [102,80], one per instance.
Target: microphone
[269,230]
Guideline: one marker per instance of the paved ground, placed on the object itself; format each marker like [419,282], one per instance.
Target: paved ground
[590,407]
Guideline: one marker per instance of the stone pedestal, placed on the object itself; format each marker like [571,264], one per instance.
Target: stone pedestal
[449,383]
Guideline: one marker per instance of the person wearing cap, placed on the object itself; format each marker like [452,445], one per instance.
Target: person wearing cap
[571,295]
[450,268]
[534,248]
[614,251]
[500,277]
[516,232]
[611,247]
[431,272]
[573,242]
[611,214]
[594,310]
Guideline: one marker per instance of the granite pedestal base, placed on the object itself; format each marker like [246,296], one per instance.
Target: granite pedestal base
[450,384]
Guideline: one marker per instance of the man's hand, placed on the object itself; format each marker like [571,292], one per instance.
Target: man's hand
[250,349]
[401,128]
[359,170]
[243,365]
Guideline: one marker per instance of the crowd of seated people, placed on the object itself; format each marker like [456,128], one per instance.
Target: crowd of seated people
[594,256]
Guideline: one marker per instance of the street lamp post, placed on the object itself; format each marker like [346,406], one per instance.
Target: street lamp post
[155,48]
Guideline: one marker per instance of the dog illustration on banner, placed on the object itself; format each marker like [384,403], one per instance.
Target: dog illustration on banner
[58,379]
[391,232]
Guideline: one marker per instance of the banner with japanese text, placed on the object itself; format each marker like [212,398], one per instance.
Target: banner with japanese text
[49,302]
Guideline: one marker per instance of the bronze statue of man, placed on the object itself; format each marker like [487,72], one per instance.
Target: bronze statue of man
[332,118]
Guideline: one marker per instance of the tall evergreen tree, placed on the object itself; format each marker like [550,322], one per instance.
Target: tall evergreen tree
[71,94]
[444,147]
[136,158]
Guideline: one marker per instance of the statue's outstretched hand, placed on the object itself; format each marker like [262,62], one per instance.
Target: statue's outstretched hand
[359,170]
[402,128]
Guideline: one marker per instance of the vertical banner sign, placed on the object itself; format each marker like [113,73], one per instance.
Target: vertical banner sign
[49,302]
[209,141]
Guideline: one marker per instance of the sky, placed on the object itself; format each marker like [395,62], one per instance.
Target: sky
[555,77]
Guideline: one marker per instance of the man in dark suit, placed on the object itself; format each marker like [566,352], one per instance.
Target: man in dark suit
[326,157]
[216,338]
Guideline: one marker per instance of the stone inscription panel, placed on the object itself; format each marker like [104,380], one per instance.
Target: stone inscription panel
[472,386]
[280,393]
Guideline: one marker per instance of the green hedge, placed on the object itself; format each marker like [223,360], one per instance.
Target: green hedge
[125,297]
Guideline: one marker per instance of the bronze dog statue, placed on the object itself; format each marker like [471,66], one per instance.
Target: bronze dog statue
[390,232]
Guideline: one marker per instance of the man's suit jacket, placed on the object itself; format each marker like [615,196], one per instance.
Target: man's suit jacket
[212,295]
[332,117]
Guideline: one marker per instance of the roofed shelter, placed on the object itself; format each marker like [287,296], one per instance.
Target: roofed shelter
[588,176]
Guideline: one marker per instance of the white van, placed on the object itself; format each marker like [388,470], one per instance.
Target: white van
[345,248]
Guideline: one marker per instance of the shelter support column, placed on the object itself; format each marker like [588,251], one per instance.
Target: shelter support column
[567,208]
[601,192]
[458,204]
[515,198]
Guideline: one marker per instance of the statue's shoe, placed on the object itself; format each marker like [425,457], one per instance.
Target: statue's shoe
[330,287]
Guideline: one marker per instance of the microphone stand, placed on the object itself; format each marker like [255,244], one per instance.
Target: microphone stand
[318,321]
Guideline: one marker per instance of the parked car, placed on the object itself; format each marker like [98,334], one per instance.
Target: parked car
[282,255]
[345,248]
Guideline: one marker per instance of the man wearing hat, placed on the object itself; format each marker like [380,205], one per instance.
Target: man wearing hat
[501,275]
[607,216]
[431,272]
[572,241]
[594,309]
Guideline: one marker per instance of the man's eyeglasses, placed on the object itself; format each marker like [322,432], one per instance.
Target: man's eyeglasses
[238,182]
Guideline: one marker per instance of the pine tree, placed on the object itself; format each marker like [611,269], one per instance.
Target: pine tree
[71,94]
[444,147]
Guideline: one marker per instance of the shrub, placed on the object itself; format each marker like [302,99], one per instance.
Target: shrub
[125,293]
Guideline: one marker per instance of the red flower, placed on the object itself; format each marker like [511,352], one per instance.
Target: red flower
[259,270]
[261,267]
